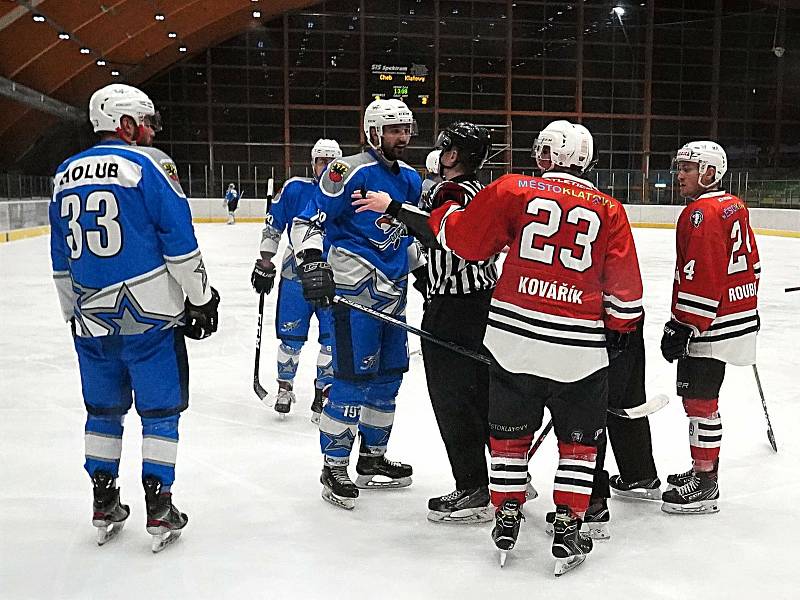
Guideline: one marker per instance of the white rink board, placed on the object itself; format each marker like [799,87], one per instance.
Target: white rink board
[249,482]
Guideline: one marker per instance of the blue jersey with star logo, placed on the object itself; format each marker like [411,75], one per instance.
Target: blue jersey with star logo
[293,198]
[367,251]
[122,243]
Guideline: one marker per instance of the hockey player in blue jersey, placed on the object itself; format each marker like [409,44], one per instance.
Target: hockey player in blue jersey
[369,258]
[293,312]
[124,256]
[231,202]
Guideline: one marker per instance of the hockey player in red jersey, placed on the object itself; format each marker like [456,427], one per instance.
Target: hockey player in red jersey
[714,313]
[569,290]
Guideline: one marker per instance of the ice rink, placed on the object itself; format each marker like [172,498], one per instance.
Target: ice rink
[249,481]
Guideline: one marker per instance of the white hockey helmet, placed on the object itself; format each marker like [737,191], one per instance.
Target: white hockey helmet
[231,186]
[705,154]
[571,146]
[110,103]
[432,161]
[383,112]
[325,149]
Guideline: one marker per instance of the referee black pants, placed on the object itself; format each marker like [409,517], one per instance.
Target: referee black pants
[630,438]
[459,386]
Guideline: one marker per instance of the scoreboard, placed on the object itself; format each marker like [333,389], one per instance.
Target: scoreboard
[410,83]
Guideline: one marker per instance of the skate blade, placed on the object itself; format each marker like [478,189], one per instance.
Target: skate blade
[565,565]
[339,501]
[596,531]
[530,492]
[368,482]
[467,516]
[695,508]
[107,531]
[164,539]
[640,493]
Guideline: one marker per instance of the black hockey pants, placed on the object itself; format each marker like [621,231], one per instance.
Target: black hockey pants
[457,385]
[630,438]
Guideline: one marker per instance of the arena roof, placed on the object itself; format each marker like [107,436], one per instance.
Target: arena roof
[54,53]
[64,50]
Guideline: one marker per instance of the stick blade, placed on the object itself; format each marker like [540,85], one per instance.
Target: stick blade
[260,391]
[771,438]
[652,405]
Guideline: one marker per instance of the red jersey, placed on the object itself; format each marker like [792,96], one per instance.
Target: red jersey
[570,272]
[716,278]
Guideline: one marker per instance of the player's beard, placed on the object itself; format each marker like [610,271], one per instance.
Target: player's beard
[393,153]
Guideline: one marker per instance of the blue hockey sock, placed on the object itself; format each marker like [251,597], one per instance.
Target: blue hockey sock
[103,443]
[288,359]
[324,367]
[160,448]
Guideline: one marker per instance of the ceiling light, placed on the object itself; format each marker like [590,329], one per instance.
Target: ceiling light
[85,51]
[115,73]
[100,62]
[39,18]
[172,34]
[63,35]
[159,17]
[182,49]
[256,14]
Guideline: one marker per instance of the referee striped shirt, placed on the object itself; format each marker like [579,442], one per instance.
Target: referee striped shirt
[447,273]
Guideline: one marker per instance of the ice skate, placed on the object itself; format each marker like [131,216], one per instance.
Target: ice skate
[644,489]
[164,520]
[570,544]
[595,521]
[338,488]
[378,472]
[320,398]
[506,527]
[109,514]
[699,495]
[461,506]
[677,480]
[231,219]
[285,398]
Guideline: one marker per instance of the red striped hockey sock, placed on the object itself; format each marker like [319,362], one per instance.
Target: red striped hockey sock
[705,432]
[573,482]
[509,469]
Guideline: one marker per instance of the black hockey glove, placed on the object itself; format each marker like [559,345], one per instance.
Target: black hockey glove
[201,321]
[421,280]
[616,343]
[317,278]
[675,341]
[263,277]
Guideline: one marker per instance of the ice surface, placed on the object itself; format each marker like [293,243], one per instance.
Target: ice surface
[249,482]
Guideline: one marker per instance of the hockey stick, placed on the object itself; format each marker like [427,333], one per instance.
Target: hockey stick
[411,329]
[770,433]
[792,289]
[257,387]
[652,405]
[540,439]
[643,410]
